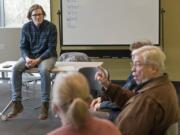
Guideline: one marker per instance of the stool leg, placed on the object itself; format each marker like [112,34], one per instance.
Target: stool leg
[3,117]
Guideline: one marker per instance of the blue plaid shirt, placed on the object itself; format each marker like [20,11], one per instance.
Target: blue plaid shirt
[38,42]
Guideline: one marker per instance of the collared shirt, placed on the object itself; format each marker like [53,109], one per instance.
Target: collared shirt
[38,42]
[130,83]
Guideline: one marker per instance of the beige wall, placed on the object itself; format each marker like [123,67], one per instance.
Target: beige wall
[119,68]
[55,4]
[172,37]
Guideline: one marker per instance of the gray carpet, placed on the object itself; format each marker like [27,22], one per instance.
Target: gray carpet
[25,123]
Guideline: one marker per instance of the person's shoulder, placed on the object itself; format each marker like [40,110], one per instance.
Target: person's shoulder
[50,26]
[102,121]
[67,129]
[61,130]
[46,22]
[27,25]
[107,125]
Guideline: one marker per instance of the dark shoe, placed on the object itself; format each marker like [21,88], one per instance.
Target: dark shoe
[44,111]
[17,108]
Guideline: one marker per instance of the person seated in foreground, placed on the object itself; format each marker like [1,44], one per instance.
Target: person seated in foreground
[70,101]
[102,102]
[152,106]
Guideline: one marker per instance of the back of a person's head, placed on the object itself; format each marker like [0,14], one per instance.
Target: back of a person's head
[152,55]
[71,94]
[140,43]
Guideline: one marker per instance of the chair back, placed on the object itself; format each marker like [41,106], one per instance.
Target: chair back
[89,73]
[74,57]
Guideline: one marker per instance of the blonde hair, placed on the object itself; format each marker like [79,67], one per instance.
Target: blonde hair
[152,55]
[71,94]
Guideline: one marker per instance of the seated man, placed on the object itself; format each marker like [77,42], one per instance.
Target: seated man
[102,102]
[153,103]
[38,48]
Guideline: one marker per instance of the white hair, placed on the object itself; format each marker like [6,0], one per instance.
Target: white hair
[152,55]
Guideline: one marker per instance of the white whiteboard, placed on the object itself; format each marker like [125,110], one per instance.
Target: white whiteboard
[109,22]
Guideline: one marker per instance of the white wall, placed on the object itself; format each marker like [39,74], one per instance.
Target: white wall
[9,44]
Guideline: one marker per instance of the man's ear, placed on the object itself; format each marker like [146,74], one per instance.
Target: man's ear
[155,69]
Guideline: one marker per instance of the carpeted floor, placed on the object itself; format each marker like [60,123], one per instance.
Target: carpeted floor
[26,123]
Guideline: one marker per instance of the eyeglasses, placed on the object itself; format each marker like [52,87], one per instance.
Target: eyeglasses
[137,64]
[35,15]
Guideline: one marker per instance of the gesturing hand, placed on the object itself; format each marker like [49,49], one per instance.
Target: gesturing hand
[95,104]
[102,77]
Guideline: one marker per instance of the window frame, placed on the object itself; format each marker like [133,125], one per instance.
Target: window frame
[3,17]
[2,14]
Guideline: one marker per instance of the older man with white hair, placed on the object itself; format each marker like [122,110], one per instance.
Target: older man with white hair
[153,105]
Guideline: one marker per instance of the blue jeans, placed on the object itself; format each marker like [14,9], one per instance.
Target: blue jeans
[44,69]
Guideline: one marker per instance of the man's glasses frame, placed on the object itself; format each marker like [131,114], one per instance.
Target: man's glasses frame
[35,15]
